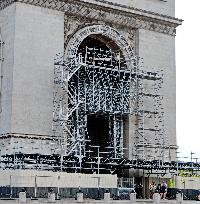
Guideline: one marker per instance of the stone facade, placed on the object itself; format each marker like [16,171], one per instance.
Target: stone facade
[29,55]
[7,21]
[35,31]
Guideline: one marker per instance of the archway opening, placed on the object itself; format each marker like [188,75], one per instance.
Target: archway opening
[98,130]
[103,85]
[101,51]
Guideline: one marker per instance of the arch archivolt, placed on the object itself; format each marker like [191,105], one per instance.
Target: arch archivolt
[93,88]
[107,31]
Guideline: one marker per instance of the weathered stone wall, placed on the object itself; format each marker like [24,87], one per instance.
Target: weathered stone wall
[7,29]
[39,36]
[158,51]
[26,144]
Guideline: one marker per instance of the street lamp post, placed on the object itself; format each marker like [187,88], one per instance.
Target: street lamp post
[35,188]
[11,190]
[192,160]
[61,162]
[191,157]
[197,169]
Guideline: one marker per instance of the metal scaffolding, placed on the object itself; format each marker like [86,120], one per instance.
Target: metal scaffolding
[90,165]
[100,82]
[151,140]
[91,85]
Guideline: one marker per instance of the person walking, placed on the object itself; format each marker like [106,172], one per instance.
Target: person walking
[152,189]
[163,190]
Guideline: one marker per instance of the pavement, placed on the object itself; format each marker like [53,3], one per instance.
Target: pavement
[72,201]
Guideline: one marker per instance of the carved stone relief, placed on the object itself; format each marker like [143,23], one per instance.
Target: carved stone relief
[111,33]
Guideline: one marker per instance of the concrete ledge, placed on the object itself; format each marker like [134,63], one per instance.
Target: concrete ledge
[32,178]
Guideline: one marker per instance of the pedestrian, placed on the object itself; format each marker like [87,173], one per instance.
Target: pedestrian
[140,189]
[152,189]
[198,197]
[163,190]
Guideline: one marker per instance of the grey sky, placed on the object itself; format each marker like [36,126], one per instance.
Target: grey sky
[188,77]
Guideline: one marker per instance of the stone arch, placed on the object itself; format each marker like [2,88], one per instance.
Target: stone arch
[100,30]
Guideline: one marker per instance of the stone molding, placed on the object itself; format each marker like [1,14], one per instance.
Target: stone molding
[109,13]
[26,136]
[107,31]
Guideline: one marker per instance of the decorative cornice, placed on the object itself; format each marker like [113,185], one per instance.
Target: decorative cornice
[5,3]
[134,10]
[109,13]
